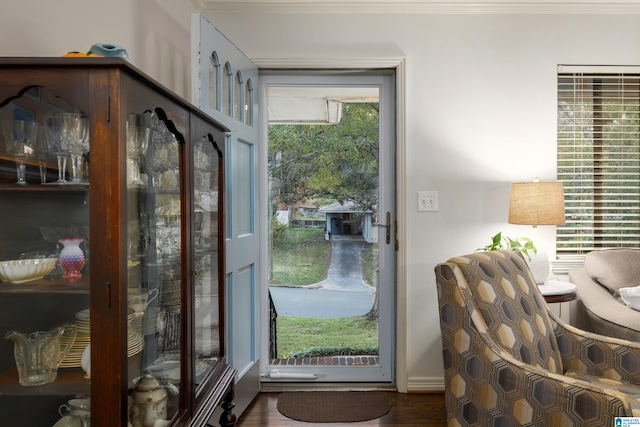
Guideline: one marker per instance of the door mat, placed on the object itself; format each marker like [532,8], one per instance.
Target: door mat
[333,406]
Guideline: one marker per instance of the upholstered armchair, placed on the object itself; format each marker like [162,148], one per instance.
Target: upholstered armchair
[509,361]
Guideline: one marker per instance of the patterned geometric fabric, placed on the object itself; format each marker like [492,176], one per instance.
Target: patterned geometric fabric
[505,354]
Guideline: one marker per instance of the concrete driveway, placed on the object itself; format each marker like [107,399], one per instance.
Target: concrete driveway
[342,294]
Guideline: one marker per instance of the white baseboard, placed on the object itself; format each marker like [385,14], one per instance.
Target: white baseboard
[422,384]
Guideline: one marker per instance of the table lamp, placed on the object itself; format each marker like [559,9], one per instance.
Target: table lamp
[537,203]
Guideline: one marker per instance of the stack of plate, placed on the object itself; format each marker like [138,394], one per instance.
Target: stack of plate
[171,297]
[73,359]
[153,320]
[166,371]
[135,340]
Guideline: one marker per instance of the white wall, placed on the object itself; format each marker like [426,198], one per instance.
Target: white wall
[480,102]
[156,33]
[480,113]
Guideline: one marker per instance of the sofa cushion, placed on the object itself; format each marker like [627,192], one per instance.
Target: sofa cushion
[614,268]
[631,297]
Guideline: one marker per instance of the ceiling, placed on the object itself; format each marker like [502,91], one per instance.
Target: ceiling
[423,6]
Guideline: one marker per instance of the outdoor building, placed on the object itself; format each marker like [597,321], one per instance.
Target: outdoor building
[345,218]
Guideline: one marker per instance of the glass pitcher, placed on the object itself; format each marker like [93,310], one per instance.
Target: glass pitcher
[39,353]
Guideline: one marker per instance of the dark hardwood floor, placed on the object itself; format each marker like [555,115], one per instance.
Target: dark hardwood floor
[407,410]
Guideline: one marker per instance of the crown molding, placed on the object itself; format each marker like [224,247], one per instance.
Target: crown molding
[422,6]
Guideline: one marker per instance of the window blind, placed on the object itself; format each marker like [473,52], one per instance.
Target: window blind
[599,160]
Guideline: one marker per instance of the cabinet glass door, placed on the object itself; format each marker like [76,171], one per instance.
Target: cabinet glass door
[154,289]
[206,214]
[44,259]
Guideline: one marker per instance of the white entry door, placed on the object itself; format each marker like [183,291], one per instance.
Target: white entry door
[320,98]
[223,86]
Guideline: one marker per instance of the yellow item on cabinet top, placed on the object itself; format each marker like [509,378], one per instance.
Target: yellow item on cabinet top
[79,54]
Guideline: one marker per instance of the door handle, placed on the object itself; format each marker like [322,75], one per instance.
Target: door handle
[387,226]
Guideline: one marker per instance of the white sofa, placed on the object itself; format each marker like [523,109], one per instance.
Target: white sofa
[599,307]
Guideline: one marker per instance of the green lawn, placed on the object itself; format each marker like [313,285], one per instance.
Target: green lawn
[301,257]
[298,336]
[369,256]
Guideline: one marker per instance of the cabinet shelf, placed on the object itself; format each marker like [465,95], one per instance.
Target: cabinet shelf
[43,286]
[69,382]
[68,188]
[151,190]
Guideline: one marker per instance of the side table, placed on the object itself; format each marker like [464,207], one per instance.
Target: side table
[557,292]
[560,298]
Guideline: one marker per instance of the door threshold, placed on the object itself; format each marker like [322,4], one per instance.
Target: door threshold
[280,386]
[326,361]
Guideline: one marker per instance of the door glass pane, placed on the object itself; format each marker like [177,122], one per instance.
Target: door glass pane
[154,266]
[227,90]
[239,104]
[324,202]
[44,258]
[248,103]
[214,72]
[207,257]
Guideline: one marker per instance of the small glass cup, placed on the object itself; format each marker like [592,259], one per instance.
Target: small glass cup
[35,255]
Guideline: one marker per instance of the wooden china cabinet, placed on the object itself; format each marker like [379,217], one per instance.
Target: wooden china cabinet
[124,191]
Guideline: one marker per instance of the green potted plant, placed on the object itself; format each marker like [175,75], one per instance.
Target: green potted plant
[519,244]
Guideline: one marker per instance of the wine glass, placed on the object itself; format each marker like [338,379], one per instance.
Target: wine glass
[157,159]
[173,153]
[54,145]
[41,153]
[19,137]
[74,139]
[137,142]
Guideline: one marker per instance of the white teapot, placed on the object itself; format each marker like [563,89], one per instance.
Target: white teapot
[149,402]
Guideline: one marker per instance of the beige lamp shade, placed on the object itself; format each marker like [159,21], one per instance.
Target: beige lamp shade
[537,203]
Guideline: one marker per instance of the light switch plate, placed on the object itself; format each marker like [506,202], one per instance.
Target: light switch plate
[427,201]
